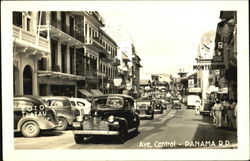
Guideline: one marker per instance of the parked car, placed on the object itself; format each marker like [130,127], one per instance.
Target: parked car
[145,107]
[112,114]
[206,108]
[32,115]
[65,113]
[158,106]
[83,105]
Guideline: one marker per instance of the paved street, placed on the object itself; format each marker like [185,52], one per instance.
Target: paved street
[172,129]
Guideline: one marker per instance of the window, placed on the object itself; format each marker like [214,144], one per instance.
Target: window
[28,24]
[73,103]
[17,19]
[80,104]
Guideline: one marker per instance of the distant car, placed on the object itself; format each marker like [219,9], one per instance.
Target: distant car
[65,113]
[83,105]
[32,115]
[112,114]
[158,106]
[176,104]
[193,101]
[145,107]
[164,103]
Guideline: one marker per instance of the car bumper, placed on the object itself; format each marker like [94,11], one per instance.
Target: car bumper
[144,115]
[95,132]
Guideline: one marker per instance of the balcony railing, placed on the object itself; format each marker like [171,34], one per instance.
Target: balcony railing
[116,62]
[91,73]
[31,38]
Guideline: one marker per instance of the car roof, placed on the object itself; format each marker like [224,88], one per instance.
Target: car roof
[115,95]
[75,99]
[34,99]
[55,97]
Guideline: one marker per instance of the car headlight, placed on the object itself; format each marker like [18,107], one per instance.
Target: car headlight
[79,118]
[111,119]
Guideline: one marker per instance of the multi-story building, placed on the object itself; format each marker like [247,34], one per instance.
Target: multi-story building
[76,56]
[226,54]
[131,67]
[28,48]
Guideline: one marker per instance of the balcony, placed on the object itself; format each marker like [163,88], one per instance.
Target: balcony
[64,35]
[116,62]
[30,42]
[106,57]
[96,18]
[95,44]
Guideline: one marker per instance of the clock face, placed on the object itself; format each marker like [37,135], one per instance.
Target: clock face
[206,46]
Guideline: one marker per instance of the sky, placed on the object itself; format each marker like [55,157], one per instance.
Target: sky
[166,36]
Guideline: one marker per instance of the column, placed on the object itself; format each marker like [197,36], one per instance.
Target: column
[58,55]
[34,79]
[68,59]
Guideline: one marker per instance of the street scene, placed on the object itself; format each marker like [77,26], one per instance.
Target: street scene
[164,132]
[80,83]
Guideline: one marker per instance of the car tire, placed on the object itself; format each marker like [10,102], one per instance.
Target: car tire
[123,133]
[79,138]
[30,129]
[63,124]
[152,117]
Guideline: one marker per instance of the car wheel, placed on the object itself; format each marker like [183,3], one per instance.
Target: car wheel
[63,124]
[79,138]
[123,135]
[152,117]
[30,129]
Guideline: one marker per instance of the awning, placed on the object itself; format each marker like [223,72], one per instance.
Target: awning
[85,92]
[96,92]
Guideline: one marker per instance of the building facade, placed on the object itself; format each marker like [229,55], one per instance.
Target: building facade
[62,53]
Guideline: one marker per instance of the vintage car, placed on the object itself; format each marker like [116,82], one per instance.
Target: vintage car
[65,113]
[164,103]
[112,114]
[32,115]
[145,107]
[176,103]
[158,106]
[206,108]
[83,105]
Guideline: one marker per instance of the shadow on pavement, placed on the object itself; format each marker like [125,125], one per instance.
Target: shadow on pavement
[43,133]
[208,134]
[107,139]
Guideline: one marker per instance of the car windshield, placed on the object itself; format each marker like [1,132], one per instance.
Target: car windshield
[111,102]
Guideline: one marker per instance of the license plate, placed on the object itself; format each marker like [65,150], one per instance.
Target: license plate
[76,124]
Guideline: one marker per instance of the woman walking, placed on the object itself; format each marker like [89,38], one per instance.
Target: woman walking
[217,108]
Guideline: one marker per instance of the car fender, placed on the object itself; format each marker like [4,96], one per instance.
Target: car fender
[122,122]
[70,118]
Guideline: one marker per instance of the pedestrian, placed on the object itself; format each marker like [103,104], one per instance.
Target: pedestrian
[230,114]
[217,108]
[225,105]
